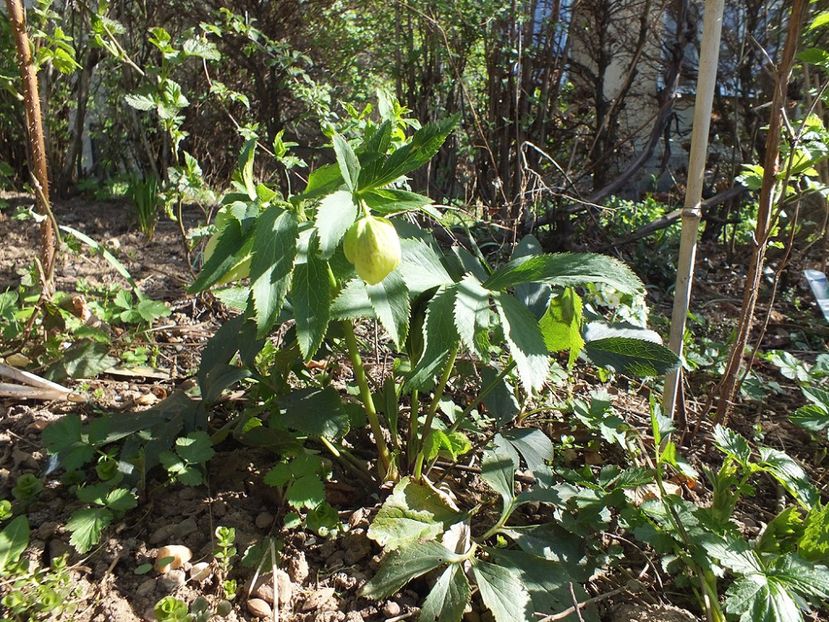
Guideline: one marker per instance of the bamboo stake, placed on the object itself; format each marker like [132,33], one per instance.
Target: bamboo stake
[771,164]
[692,212]
[37,144]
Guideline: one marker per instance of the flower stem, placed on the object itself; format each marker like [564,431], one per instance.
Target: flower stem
[430,413]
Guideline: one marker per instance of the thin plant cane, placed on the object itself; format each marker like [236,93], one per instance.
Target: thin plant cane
[728,384]
[692,213]
[37,143]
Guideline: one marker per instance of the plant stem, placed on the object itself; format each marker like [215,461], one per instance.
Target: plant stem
[484,393]
[411,448]
[384,459]
[433,408]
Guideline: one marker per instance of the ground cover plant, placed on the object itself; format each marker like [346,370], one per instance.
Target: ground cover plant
[284,357]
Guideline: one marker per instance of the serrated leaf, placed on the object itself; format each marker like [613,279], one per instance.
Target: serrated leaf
[347,161]
[448,598]
[814,544]
[86,527]
[305,492]
[352,302]
[501,401]
[535,296]
[120,500]
[387,201]
[566,270]
[195,448]
[335,214]
[471,315]
[424,144]
[315,412]
[246,167]
[421,267]
[412,512]
[224,257]
[732,444]
[402,565]
[311,299]
[561,324]
[498,470]
[390,300]
[453,443]
[759,600]
[627,355]
[790,475]
[323,180]
[13,541]
[525,342]
[502,592]
[537,450]
[439,336]
[274,248]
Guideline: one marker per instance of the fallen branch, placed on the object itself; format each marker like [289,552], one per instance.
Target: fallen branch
[34,387]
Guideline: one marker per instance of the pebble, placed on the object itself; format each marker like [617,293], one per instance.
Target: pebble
[263,520]
[185,528]
[145,588]
[47,530]
[318,599]
[180,554]
[57,548]
[200,572]
[357,518]
[297,567]
[172,580]
[259,608]
[391,609]
[146,399]
[264,589]
[224,608]
[165,532]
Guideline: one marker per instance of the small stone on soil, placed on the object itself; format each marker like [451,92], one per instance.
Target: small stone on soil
[263,520]
[172,580]
[259,608]
[200,572]
[180,554]
[297,567]
[391,609]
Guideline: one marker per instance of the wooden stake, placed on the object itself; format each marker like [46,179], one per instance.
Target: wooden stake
[692,212]
[37,144]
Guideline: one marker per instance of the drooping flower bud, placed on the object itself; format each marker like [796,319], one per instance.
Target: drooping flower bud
[372,245]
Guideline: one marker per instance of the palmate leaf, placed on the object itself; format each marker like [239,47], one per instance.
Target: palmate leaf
[311,300]
[86,526]
[390,301]
[274,249]
[424,144]
[565,270]
[420,266]
[448,598]
[790,474]
[502,592]
[352,302]
[525,341]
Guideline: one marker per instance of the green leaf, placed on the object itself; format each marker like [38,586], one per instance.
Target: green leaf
[537,450]
[306,492]
[814,544]
[86,527]
[13,541]
[501,401]
[732,444]
[756,599]
[390,300]
[811,418]
[502,592]
[402,565]
[246,167]
[322,180]
[387,201]
[195,448]
[566,270]
[472,315]
[561,324]
[534,295]
[421,267]
[274,248]
[311,300]
[448,598]
[315,412]
[790,475]
[424,144]
[525,341]
[439,336]
[411,513]
[347,161]
[336,213]
[352,302]
[498,470]
[224,257]
[120,500]
[627,355]
[820,20]
[454,443]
